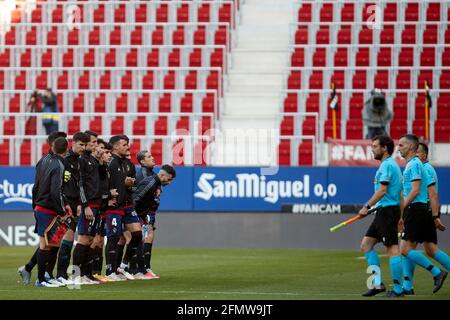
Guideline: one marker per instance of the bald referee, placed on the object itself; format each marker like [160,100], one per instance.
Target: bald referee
[433,223]
[415,214]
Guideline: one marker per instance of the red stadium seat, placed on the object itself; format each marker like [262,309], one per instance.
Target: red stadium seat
[387,35]
[120,14]
[139,126]
[89,58]
[99,14]
[348,12]
[430,34]
[427,57]
[117,126]
[190,81]
[25,58]
[165,103]
[162,13]
[174,58]
[390,12]
[403,79]
[105,80]
[344,35]
[122,103]
[284,152]
[225,13]
[203,13]
[127,81]
[360,79]
[412,11]
[384,57]
[323,35]
[153,58]
[68,59]
[305,13]
[100,103]
[183,13]
[143,104]
[291,102]
[161,126]
[25,153]
[382,79]
[305,153]
[46,59]
[316,80]
[354,129]
[326,12]
[362,58]
[312,103]
[341,57]
[406,57]
[5,58]
[178,36]
[320,57]
[186,103]
[141,13]
[287,126]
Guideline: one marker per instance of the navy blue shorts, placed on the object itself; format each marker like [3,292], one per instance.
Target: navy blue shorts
[86,227]
[101,230]
[43,220]
[130,216]
[114,225]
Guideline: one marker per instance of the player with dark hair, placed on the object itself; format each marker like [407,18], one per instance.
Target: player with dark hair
[122,212]
[25,271]
[147,193]
[125,239]
[433,223]
[89,215]
[147,163]
[71,190]
[49,202]
[103,156]
[415,214]
[384,228]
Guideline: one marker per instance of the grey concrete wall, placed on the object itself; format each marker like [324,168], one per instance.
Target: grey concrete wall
[233,230]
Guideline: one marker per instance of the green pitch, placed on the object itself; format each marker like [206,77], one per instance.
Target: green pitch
[225,274]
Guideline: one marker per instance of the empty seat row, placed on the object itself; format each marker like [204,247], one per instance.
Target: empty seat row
[138,11]
[137,56]
[129,34]
[354,11]
[103,78]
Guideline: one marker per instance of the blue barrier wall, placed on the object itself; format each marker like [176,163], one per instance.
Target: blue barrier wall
[236,189]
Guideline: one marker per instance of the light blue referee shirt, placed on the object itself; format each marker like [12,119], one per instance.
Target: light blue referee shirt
[415,171]
[389,174]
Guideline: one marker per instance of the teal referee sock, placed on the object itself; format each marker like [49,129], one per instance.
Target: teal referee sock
[408,273]
[373,260]
[395,264]
[422,261]
[443,259]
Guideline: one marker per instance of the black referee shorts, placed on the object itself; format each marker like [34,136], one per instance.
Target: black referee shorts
[419,224]
[384,227]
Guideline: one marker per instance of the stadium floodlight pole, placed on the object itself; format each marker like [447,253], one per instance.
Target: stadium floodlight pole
[350,221]
[427,106]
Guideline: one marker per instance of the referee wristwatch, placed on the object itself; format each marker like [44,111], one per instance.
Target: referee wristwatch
[367,206]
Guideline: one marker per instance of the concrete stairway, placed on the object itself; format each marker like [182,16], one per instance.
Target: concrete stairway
[250,117]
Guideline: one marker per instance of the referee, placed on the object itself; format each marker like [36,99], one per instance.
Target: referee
[433,223]
[384,228]
[416,217]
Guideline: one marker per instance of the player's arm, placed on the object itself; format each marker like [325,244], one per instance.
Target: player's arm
[434,202]
[415,190]
[83,197]
[377,196]
[56,178]
[147,186]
